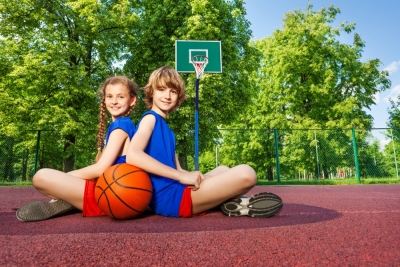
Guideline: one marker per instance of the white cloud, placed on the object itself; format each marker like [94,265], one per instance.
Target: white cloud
[393,67]
[394,92]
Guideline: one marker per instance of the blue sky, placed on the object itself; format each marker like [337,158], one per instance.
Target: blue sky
[377,22]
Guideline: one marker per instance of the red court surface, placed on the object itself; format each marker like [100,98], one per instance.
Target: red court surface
[354,225]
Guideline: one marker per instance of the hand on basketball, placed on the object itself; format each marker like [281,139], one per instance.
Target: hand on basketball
[192,179]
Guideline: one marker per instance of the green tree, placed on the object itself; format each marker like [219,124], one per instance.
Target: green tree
[392,149]
[221,97]
[394,118]
[392,157]
[309,80]
[371,158]
[54,55]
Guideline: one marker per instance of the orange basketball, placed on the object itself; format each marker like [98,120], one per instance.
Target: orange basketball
[123,191]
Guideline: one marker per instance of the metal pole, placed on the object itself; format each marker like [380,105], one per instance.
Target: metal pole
[278,168]
[196,128]
[237,148]
[316,153]
[353,133]
[394,153]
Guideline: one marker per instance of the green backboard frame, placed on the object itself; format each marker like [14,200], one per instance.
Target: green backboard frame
[186,49]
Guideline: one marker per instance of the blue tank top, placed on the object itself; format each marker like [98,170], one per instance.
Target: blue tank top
[167,193]
[125,124]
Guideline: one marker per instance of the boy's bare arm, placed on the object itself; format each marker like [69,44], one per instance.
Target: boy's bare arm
[136,156]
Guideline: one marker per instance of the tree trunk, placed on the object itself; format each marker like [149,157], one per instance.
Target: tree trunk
[9,172]
[183,161]
[270,173]
[25,157]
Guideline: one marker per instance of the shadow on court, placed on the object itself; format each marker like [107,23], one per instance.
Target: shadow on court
[148,222]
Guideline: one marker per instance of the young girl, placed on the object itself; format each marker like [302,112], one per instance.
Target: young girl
[177,192]
[75,189]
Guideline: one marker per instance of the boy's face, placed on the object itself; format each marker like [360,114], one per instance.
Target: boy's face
[164,100]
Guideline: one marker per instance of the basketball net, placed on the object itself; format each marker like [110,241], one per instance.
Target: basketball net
[199,62]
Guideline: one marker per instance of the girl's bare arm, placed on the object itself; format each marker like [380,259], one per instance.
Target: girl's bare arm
[114,148]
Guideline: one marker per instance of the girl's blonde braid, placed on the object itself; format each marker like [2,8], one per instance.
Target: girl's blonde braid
[101,128]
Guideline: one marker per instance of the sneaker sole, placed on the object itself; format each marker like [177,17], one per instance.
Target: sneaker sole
[262,205]
[41,210]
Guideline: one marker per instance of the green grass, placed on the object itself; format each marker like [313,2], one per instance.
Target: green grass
[331,181]
[19,183]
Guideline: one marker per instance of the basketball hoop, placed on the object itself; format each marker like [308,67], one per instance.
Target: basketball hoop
[199,62]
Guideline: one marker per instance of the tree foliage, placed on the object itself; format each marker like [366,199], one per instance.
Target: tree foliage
[55,53]
[391,150]
[222,96]
[394,114]
[54,56]
[309,79]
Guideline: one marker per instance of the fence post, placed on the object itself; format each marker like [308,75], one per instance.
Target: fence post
[394,153]
[37,151]
[316,153]
[353,133]
[278,168]
[237,162]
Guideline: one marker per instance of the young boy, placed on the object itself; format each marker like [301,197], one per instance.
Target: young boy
[177,192]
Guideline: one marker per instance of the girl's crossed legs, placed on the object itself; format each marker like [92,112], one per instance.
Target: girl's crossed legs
[65,191]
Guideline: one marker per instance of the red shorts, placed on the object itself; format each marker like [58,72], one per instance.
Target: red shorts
[185,210]
[90,208]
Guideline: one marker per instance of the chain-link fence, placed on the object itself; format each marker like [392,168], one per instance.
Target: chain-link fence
[21,156]
[274,154]
[310,154]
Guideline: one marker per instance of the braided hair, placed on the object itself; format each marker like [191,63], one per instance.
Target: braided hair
[132,87]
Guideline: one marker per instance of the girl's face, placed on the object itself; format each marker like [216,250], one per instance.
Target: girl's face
[164,100]
[118,100]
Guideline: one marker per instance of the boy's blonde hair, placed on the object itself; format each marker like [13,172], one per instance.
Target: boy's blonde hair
[164,77]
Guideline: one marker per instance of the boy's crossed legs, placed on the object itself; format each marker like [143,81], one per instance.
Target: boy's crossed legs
[227,185]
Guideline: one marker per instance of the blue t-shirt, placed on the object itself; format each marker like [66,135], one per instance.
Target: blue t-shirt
[125,124]
[167,193]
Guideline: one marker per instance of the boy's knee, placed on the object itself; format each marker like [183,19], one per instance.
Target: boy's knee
[222,168]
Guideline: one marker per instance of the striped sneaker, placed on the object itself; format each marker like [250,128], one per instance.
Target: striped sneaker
[40,210]
[261,205]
